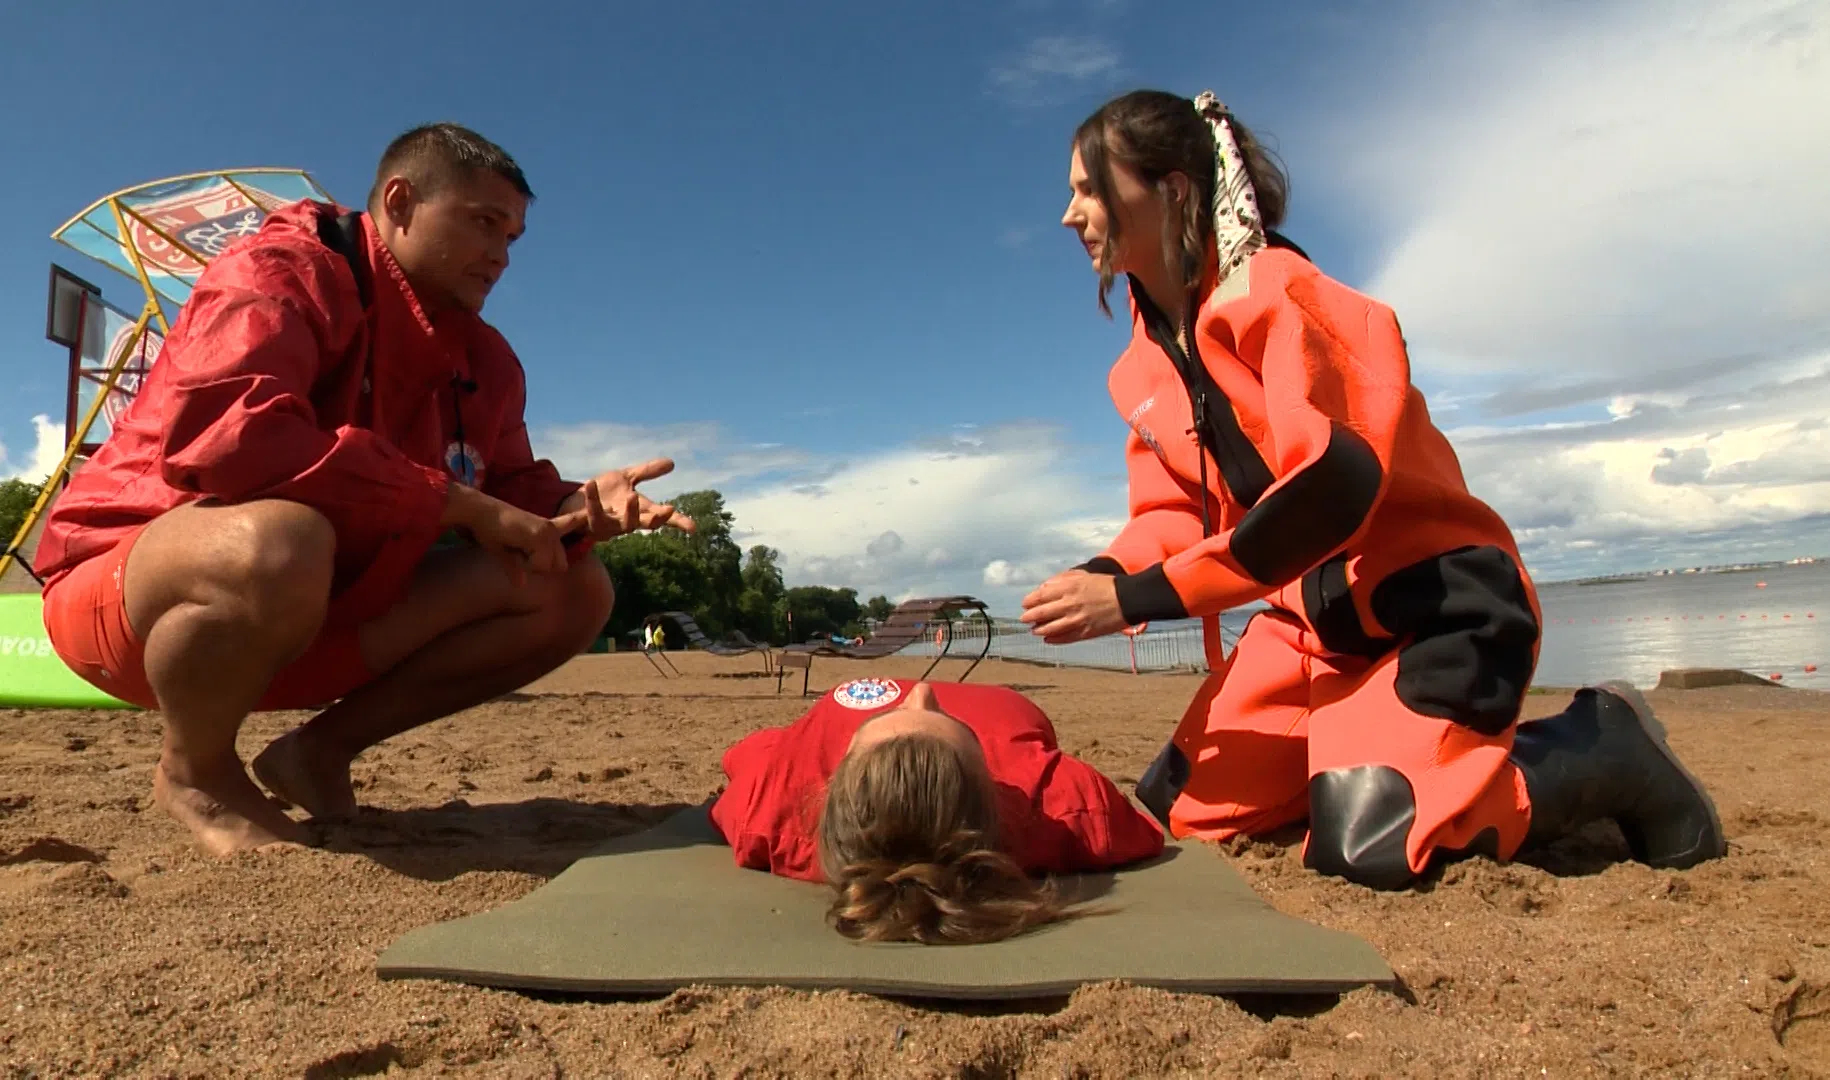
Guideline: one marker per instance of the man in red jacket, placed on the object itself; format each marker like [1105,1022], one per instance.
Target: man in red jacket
[324,492]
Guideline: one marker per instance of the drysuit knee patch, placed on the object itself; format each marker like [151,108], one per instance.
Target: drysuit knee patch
[1359,820]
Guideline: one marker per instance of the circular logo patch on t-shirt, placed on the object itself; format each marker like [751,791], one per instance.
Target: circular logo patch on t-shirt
[866,693]
[464,463]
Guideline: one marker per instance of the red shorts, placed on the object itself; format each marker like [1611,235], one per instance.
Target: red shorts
[85,614]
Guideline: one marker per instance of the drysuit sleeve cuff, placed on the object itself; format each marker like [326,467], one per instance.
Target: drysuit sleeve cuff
[1147,596]
[1102,564]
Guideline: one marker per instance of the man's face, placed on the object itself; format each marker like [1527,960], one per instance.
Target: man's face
[453,244]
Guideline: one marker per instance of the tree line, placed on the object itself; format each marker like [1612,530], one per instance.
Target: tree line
[724,588]
[705,574]
[16,499]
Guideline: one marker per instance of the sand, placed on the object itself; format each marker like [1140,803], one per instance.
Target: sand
[125,952]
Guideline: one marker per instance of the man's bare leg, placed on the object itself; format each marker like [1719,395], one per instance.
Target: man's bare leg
[223,597]
[464,634]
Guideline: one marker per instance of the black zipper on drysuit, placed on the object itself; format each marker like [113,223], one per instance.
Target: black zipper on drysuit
[1244,475]
[1156,324]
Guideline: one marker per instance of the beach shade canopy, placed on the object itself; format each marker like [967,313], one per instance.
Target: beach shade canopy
[163,233]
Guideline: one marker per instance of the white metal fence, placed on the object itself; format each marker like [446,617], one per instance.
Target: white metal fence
[1172,648]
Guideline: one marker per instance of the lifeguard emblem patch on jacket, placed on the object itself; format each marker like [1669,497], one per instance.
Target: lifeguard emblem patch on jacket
[866,693]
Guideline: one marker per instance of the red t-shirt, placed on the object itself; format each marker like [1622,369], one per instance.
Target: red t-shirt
[1056,814]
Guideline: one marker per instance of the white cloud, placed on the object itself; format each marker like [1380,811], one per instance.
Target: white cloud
[1050,68]
[1019,576]
[1605,235]
[1015,238]
[1631,189]
[999,574]
[987,511]
[1712,476]
[47,451]
[1730,470]
[704,454]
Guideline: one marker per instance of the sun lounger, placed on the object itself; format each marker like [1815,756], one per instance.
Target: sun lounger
[651,655]
[737,643]
[911,622]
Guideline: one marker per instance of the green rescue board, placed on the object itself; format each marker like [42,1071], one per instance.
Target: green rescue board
[31,673]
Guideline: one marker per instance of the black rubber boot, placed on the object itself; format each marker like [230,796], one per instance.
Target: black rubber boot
[1605,757]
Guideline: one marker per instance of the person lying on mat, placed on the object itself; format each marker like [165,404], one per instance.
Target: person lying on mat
[1279,452]
[262,529]
[926,807]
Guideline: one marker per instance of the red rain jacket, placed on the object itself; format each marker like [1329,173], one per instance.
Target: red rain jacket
[276,383]
[1057,814]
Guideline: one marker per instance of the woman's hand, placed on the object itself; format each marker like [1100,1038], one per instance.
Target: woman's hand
[1074,605]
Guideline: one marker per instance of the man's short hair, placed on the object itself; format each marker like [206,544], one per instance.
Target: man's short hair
[433,155]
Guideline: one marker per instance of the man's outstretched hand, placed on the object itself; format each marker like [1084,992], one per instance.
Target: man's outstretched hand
[606,506]
[609,505]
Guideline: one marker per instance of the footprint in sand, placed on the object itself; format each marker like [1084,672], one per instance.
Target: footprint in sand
[76,875]
[1801,1021]
[48,849]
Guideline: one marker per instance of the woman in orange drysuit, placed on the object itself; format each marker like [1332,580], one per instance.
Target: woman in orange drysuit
[1279,452]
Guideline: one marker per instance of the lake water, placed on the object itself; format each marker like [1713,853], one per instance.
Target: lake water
[1772,621]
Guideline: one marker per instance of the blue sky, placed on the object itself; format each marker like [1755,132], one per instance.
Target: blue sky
[812,250]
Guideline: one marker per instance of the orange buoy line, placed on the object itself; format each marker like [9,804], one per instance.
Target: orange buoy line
[1596,619]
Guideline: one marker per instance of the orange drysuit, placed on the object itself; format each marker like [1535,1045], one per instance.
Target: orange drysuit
[1378,696]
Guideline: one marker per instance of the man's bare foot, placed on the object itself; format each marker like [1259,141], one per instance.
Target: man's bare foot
[222,808]
[315,782]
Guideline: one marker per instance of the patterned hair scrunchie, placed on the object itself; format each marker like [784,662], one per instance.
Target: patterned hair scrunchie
[1238,228]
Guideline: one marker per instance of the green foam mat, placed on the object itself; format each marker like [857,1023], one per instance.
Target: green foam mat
[666,908]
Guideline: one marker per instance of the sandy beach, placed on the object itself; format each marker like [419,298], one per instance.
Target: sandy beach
[125,952]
